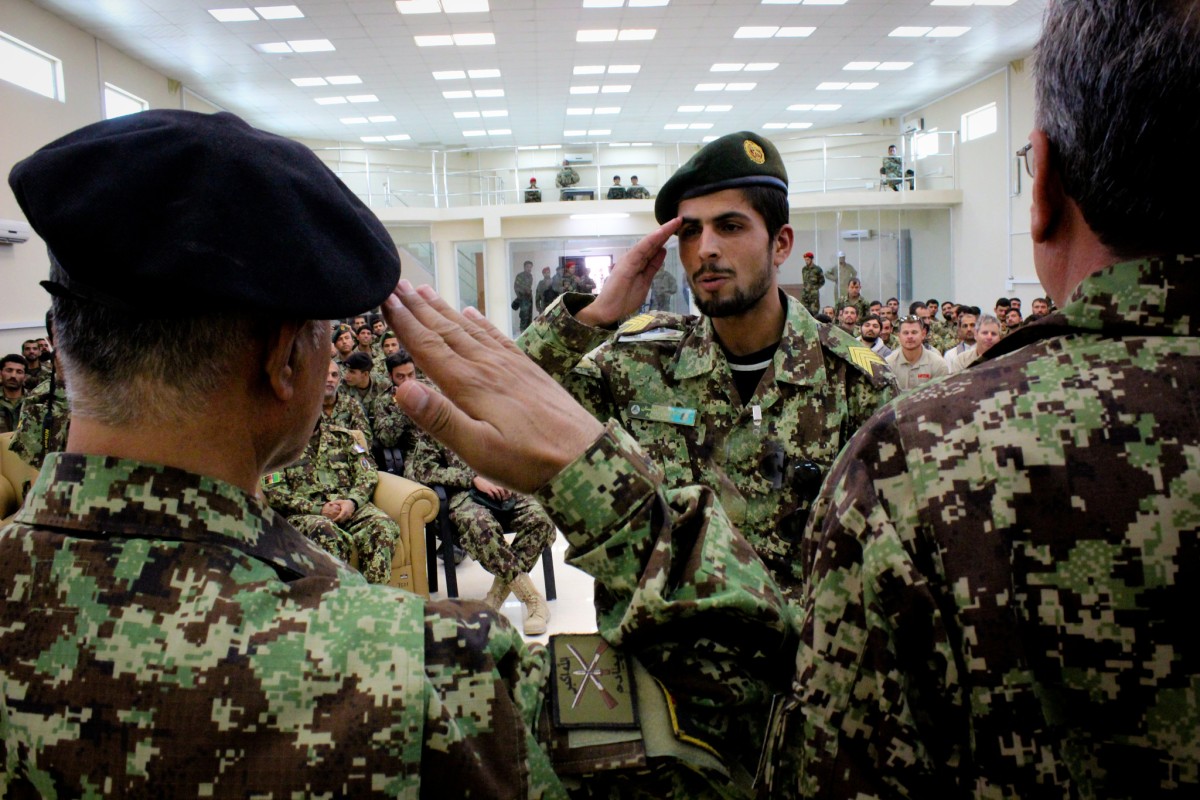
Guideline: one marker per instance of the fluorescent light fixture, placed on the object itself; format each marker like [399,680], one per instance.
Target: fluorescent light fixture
[329,101]
[585,89]
[762,66]
[675,126]
[489,93]
[911,30]
[551,147]
[233,14]
[440,40]
[709,139]
[464,6]
[382,118]
[474,39]
[894,66]
[827,106]
[600,132]
[602,35]
[740,87]
[641,144]
[311,45]
[354,120]
[457,95]
[495,112]
[624,69]
[343,80]
[947,31]
[861,65]
[399,137]
[273,47]
[647,3]
[794,32]
[726,68]
[589,70]
[362,98]
[279,12]
[616,88]
[613,215]
[574,133]
[690,109]
[781,2]
[608,110]
[499,131]
[755,32]
[528,147]
[862,87]
[799,125]
[710,87]
[774,126]
[372,139]
[717,109]
[309,81]
[449,75]
[466,115]
[483,73]
[618,144]
[801,107]
[637,34]
[579,112]
[831,86]
[603,3]
[474,133]
[418,6]
[700,126]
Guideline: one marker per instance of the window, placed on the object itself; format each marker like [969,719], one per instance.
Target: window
[926,144]
[118,102]
[979,123]
[30,68]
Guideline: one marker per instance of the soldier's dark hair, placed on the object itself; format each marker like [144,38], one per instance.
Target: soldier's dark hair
[1118,84]
[771,204]
[14,358]
[397,359]
[914,305]
[870,317]
[1002,301]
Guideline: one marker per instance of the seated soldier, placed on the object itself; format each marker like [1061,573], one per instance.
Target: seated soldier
[616,191]
[340,407]
[394,428]
[45,418]
[364,386]
[12,390]
[472,499]
[636,191]
[343,342]
[326,496]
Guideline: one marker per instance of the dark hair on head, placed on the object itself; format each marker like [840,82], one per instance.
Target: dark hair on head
[397,359]
[1002,301]
[771,204]
[890,299]
[16,359]
[933,301]
[373,318]
[823,317]
[968,310]
[914,305]
[870,317]
[1118,84]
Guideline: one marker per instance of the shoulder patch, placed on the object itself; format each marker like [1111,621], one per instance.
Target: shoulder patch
[636,324]
[846,347]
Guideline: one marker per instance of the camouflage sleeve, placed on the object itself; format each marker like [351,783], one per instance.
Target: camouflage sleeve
[365,477]
[282,496]
[391,424]
[359,421]
[678,587]
[865,397]
[431,464]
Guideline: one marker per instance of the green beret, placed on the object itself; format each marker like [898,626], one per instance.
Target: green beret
[731,162]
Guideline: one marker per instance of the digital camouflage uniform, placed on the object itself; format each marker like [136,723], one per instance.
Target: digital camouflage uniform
[167,634]
[860,305]
[893,171]
[334,466]
[348,412]
[523,289]
[544,285]
[33,438]
[10,413]
[638,192]
[1004,569]
[665,287]
[378,387]
[393,427]
[665,378]
[810,293]
[566,178]
[479,532]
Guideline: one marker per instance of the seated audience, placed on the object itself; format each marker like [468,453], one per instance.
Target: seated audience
[914,364]
[987,333]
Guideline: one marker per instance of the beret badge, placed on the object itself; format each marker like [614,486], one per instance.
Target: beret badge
[754,152]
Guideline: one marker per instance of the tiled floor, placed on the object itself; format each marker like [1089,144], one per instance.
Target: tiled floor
[572,612]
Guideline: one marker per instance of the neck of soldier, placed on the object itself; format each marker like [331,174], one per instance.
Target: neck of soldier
[756,328]
[13,394]
[327,404]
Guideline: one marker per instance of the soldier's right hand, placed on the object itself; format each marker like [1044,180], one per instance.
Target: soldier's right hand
[626,286]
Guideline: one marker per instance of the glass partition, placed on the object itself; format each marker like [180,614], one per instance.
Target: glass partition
[471,277]
[418,261]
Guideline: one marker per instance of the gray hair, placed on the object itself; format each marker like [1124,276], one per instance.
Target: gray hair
[1118,85]
[986,319]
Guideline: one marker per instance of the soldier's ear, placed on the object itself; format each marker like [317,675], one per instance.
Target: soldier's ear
[287,346]
[782,246]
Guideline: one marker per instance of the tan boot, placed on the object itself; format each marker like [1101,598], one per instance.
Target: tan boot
[537,613]
[497,594]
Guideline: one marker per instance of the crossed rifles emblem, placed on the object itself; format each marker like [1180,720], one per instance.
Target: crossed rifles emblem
[590,672]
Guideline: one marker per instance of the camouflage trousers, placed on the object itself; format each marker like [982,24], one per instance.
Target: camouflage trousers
[524,312]
[482,535]
[811,300]
[369,531]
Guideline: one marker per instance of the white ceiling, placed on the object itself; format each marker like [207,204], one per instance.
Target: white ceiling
[536,52]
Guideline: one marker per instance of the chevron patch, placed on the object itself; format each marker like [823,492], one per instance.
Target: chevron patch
[635,324]
[864,357]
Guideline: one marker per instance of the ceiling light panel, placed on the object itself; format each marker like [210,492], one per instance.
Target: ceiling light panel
[233,14]
[311,45]
[399,137]
[585,89]
[310,81]
[418,6]
[947,31]
[457,95]
[483,73]
[740,87]
[615,89]
[589,70]
[372,139]
[495,112]
[861,65]
[489,93]
[449,75]
[894,66]
[772,31]
[273,47]
[861,87]
[343,80]
[690,109]
[910,31]
[465,6]
[279,12]
[604,35]
[445,6]
[382,118]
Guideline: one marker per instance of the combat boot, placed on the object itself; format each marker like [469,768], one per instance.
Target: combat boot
[537,613]
[497,594]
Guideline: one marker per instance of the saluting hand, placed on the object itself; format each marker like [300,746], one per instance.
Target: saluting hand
[627,285]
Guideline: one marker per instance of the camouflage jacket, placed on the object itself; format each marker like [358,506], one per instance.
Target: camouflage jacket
[1003,568]
[860,305]
[434,465]
[393,427]
[566,177]
[33,438]
[665,378]
[334,466]
[813,279]
[165,633]
[10,413]
[348,412]
[366,398]
[523,286]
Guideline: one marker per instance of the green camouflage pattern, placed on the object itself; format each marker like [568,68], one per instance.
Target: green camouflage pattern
[393,427]
[334,466]
[566,177]
[378,387]
[539,294]
[820,387]
[813,279]
[348,413]
[637,193]
[523,290]
[1002,568]
[479,532]
[860,305]
[34,439]
[10,413]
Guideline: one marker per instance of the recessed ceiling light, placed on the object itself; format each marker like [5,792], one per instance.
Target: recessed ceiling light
[603,3]
[574,133]
[911,30]
[894,66]
[527,147]
[602,35]
[273,47]
[354,120]
[801,107]
[362,98]
[647,3]
[774,126]
[831,86]
[418,6]
[585,89]
[600,132]
[590,70]
[608,110]
[762,66]
[233,14]
[675,126]
[279,12]
[489,93]
[726,67]
[311,45]
[483,73]
[474,133]
[449,75]
[624,69]
[343,80]
[579,112]
[474,39]
[439,40]
[740,87]
[372,139]
[382,118]
[618,144]
[495,112]
[755,32]
[448,6]
[861,65]
[550,147]
[499,131]
[641,144]
[399,137]
[616,88]
[309,81]
[827,106]
[329,101]
[861,87]
[464,6]
[799,125]
[794,32]
[466,115]
[700,126]
[709,87]
[690,109]
[457,95]
[709,139]
[947,31]
[637,34]
[717,109]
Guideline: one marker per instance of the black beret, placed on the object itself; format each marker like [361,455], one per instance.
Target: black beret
[358,360]
[731,162]
[338,330]
[201,213]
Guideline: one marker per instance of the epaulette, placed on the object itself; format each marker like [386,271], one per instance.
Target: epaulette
[864,359]
[654,326]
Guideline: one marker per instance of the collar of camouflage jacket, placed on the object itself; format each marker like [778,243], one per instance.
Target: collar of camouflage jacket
[1144,297]
[798,359]
[120,498]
